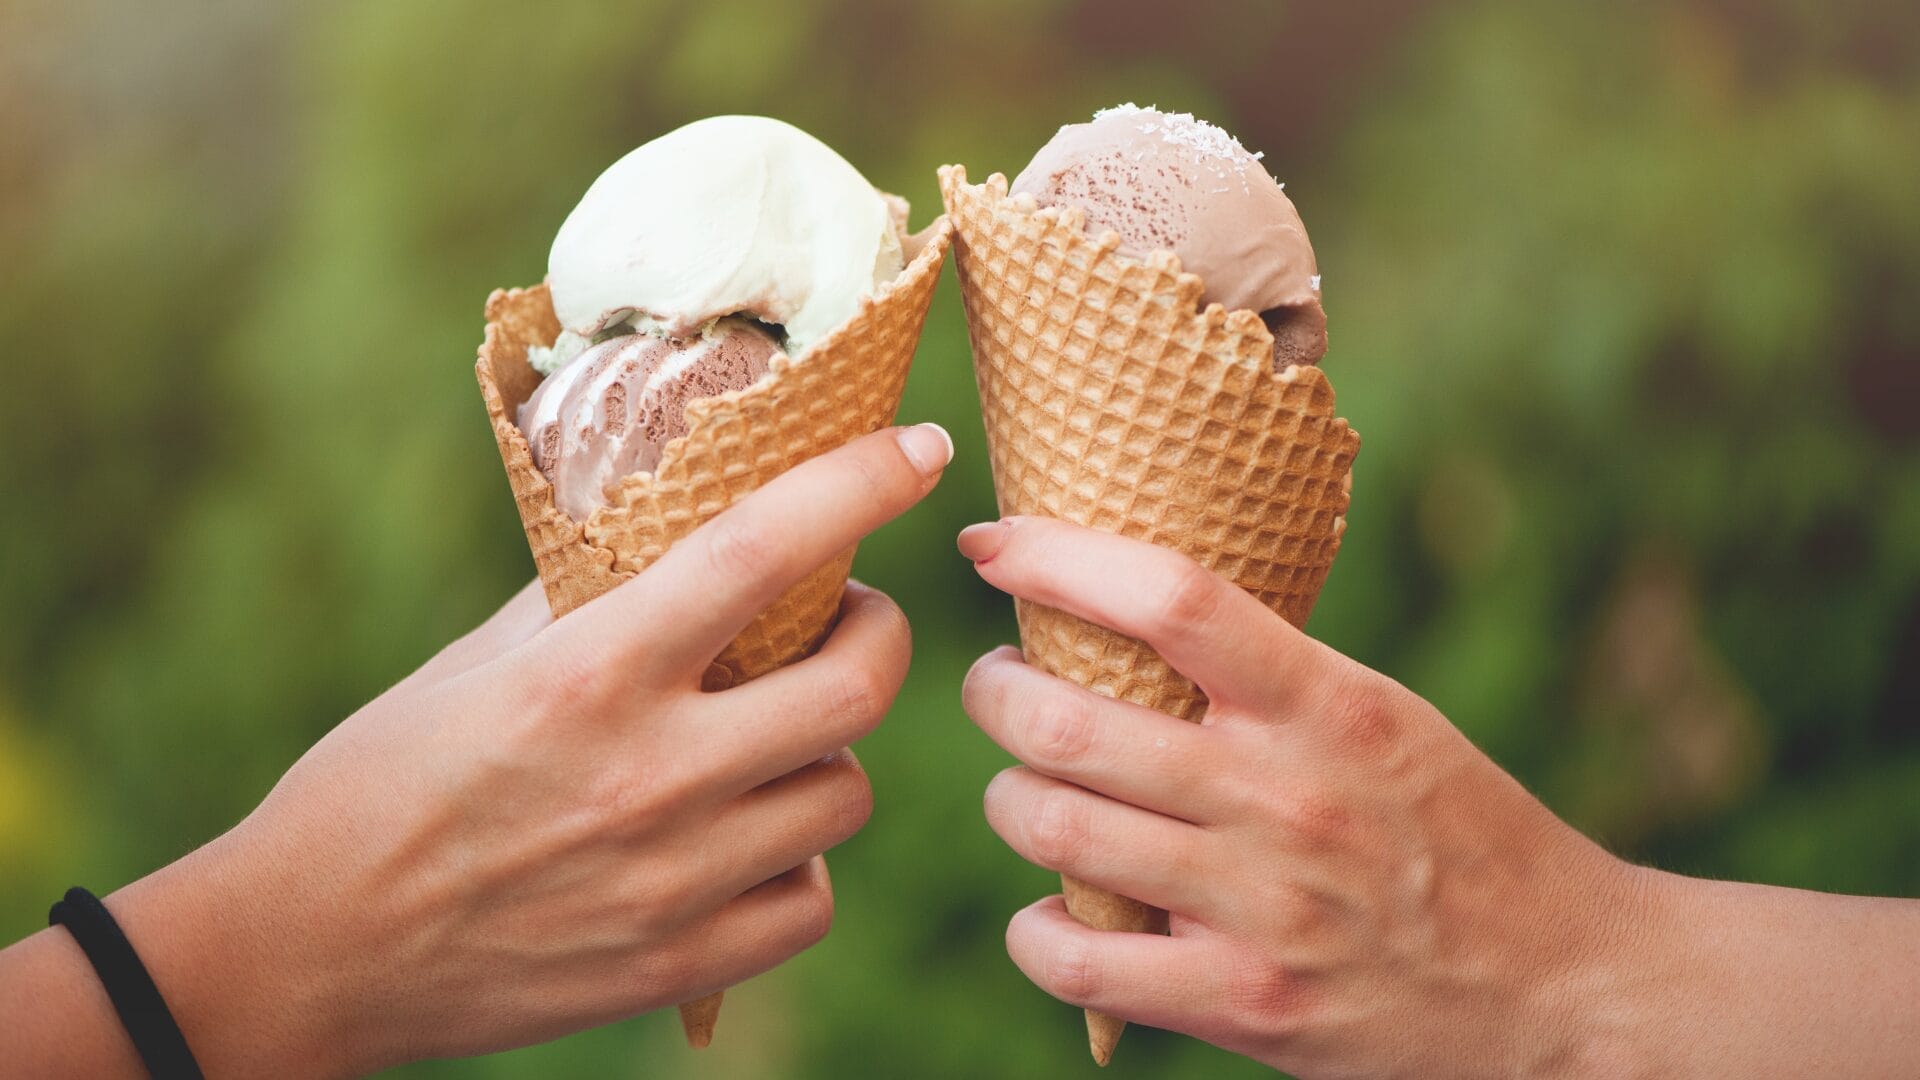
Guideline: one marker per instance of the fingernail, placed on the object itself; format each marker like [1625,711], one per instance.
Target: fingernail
[983,541]
[928,447]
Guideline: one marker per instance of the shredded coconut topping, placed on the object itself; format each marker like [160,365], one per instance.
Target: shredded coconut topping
[1210,145]
[1185,129]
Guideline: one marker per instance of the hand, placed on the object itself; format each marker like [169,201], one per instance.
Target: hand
[1353,888]
[549,826]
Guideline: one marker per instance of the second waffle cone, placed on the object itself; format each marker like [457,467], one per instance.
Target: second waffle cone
[1111,401]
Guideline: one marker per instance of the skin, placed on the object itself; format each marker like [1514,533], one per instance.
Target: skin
[546,828]
[1356,891]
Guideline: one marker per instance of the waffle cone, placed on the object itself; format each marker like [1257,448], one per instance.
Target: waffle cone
[846,385]
[1113,402]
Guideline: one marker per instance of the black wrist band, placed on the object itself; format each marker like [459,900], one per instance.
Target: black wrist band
[142,1011]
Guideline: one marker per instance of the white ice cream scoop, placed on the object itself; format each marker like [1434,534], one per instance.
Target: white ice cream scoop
[727,215]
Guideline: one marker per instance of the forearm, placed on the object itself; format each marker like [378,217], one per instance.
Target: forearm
[243,1009]
[1746,980]
[58,1019]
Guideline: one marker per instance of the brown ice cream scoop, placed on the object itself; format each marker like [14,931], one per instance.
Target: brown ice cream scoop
[609,411]
[1167,180]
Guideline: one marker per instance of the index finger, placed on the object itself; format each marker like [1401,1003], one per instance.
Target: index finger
[1210,630]
[711,584]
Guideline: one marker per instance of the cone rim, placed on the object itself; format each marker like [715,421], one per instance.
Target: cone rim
[930,244]
[1189,287]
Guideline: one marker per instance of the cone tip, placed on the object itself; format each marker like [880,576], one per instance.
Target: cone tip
[1103,1034]
[698,1019]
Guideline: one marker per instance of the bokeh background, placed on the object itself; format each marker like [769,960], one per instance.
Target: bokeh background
[1625,301]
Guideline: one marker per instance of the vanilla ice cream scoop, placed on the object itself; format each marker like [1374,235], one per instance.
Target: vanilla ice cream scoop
[731,215]
[1167,180]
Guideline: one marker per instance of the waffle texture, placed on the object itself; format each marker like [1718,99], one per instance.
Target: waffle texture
[846,385]
[1111,401]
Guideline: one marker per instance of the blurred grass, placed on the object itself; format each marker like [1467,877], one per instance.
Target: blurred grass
[1621,304]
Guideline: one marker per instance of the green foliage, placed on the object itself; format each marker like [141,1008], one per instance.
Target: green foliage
[1621,305]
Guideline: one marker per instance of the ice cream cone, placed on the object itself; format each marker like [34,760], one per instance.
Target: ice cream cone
[1112,402]
[846,385]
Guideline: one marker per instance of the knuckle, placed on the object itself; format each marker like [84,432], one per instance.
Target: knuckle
[1238,769]
[1001,799]
[880,478]
[1034,538]
[642,792]
[896,638]
[665,901]
[1244,793]
[1198,858]
[1040,546]
[1314,820]
[857,697]
[1298,913]
[1073,973]
[1059,831]
[1363,712]
[813,915]
[1264,998]
[1061,732]
[894,629]
[572,686]
[739,547]
[1190,601]
[853,801]
[980,691]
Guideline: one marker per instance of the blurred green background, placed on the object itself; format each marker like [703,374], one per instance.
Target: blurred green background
[1625,303]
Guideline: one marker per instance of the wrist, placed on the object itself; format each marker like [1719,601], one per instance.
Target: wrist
[236,969]
[1615,1003]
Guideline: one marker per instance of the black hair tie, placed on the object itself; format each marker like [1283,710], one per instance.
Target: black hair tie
[142,1010]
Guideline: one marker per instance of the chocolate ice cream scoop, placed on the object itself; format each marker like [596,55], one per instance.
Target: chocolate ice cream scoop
[609,411]
[1167,180]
